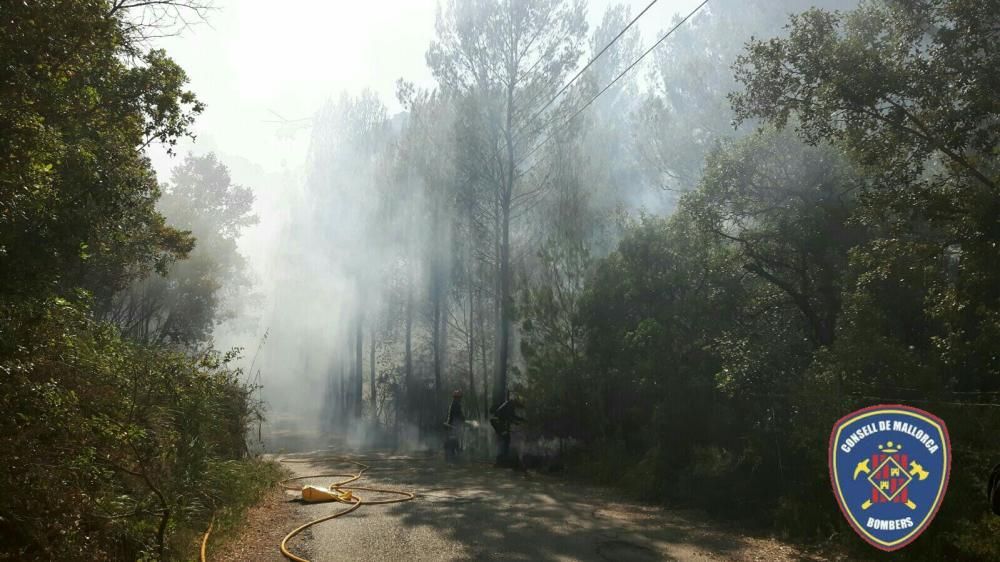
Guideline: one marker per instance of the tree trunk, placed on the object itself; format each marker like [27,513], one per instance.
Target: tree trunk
[497,314]
[371,372]
[486,367]
[472,342]
[395,419]
[359,344]
[408,374]
[503,333]
[506,306]
[345,403]
[436,335]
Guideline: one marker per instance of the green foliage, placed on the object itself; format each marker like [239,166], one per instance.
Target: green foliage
[907,90]
[109,449]
[487,55]
[113,446]
[76,196]
[553,341]
[182,305]
[843,255]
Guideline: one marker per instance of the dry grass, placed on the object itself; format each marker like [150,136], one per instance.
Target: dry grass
[258,538]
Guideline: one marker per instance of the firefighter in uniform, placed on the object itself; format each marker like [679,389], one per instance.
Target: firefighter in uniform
[454,423]
[504,417]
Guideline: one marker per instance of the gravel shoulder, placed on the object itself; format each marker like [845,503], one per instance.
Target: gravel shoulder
[263,528]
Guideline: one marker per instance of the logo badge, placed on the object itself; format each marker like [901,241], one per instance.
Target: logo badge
[889,466]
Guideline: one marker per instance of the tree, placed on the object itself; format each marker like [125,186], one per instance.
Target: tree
[350,135]
[907,89]
[76,194]
[182,305]
[136,438]
[511,56]
[786,207]
[686,112]
[652,312]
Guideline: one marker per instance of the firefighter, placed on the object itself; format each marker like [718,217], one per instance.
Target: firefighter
[505,416]
[455,415]
[454,423]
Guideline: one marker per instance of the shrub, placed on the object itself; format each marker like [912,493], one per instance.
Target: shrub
[112,449]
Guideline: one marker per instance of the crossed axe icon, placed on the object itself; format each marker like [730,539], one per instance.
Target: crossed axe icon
[915,471]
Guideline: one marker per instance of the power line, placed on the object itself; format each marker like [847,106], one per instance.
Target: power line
[612,83]
[597,56]
[578,74]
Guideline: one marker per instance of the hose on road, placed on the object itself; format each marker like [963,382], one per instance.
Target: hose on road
[341,487]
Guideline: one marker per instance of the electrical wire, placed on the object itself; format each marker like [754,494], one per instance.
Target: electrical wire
[597,56]
[612,83]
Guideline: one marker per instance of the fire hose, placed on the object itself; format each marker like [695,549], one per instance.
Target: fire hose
[338,491]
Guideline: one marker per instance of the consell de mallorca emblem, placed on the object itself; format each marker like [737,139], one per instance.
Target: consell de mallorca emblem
[889,466]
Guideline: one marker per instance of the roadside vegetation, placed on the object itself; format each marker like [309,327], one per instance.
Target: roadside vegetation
[844,254]
[123,430]
[791,216]
[690,274]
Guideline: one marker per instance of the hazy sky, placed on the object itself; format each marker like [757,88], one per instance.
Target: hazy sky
[255,56]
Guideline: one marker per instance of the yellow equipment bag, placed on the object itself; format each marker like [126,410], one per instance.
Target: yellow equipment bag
[321,494]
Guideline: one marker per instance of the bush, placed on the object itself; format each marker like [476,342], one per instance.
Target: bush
[112,450]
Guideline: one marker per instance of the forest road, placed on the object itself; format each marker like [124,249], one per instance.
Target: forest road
[476,512]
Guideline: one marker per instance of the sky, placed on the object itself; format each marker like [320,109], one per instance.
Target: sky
[255,57]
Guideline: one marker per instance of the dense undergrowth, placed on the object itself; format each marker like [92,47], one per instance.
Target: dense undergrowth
[121,432]
[115,450]
[844,254]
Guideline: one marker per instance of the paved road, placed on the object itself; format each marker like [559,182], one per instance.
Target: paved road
[476,512]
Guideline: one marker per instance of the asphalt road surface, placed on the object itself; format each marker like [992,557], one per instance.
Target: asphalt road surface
[477,512]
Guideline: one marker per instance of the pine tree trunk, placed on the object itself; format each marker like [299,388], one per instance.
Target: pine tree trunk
[472,344]
[371,375]
[359,344]
[408,375]
[486,366]
[436,337]
[506,306]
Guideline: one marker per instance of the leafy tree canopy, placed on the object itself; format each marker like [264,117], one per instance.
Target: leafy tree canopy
[79,99]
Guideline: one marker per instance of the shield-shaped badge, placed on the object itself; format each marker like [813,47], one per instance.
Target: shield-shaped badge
[889,465]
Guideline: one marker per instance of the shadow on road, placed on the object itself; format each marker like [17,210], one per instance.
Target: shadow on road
[484,513]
